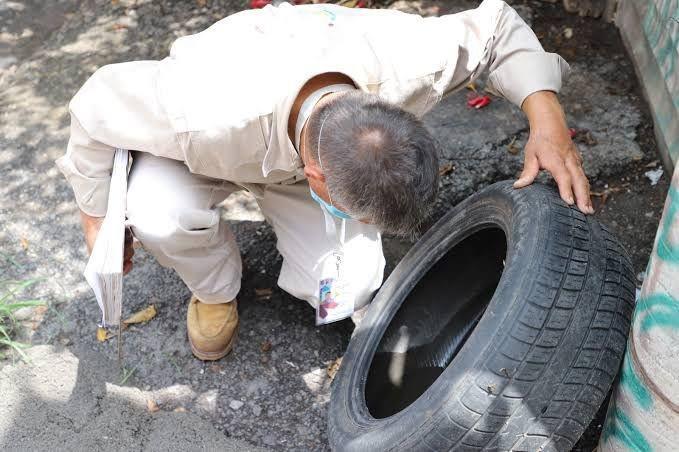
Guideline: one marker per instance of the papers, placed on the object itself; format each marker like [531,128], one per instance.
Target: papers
[104,270]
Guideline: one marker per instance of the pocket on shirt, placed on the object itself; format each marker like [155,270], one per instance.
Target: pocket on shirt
[230,152]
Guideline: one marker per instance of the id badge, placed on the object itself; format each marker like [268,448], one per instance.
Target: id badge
[335,297]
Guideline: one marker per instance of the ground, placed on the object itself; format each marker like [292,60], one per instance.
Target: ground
[272,392]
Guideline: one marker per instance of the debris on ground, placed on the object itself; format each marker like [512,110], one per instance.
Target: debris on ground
[512,148]
[152,406]
[477,101]
[606,192]
[103,335]
[568,33]
[142,316]
[654,175]
[265,346]
[263,294]
[236,405]
[333,368]
[446,169]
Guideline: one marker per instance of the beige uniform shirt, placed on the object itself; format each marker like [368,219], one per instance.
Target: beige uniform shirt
[221,101]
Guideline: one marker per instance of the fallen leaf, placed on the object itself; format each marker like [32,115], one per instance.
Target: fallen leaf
[201,3]
[24,243]
[447,168]
[180,409]
[265,346]
[513,149]
[142,316]
[334,367]
[103,335]
[151,405]
[119,27]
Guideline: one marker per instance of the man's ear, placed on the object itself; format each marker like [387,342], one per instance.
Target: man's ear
[314,172]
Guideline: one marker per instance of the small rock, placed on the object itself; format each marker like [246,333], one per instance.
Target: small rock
[256,410]
[568,33]
[235,405]
[24,313]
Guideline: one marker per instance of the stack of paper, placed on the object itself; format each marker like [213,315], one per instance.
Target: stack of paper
[104,270]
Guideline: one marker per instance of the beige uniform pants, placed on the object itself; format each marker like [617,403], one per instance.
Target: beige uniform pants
[173,214]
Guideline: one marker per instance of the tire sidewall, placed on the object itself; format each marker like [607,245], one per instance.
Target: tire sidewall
[522,215]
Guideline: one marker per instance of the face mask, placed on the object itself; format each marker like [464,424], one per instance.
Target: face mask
[332,210]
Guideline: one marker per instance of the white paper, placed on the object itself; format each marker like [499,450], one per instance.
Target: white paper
[104,270]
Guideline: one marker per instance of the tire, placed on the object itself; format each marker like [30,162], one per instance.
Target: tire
[502,329]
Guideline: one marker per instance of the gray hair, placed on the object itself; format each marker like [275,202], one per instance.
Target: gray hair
[380,162]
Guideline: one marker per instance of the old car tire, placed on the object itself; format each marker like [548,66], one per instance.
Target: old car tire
[501,329]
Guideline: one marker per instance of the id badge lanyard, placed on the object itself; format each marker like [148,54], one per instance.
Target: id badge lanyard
[335,297]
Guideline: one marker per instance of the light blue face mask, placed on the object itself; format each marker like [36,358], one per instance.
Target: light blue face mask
[332,210]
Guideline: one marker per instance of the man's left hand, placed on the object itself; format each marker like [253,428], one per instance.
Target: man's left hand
[550,148]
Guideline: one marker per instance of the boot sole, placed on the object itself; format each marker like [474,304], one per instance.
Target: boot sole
[213,356]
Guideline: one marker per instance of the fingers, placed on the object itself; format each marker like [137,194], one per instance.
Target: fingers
[531,168]
[580,186]
[563,181]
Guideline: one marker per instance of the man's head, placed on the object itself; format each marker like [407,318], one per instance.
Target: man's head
[372,160]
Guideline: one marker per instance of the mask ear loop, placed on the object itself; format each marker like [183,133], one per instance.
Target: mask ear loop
[318,148]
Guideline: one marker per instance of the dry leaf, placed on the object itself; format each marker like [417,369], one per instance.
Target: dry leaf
[334,367]
[180,409]
[24,243]
[142,316]
[103,335]
[201,3]
[265,346]
[512,148]
[151,405]
[447,168]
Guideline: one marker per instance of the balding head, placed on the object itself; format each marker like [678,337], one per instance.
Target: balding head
[379,162]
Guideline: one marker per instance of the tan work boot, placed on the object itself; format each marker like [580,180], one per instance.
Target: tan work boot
[212,328]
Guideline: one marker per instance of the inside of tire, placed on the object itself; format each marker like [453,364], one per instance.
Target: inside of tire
[434,321]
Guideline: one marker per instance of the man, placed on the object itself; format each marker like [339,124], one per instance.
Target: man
[314,110]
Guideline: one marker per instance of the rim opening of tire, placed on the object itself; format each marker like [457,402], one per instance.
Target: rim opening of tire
[434,321]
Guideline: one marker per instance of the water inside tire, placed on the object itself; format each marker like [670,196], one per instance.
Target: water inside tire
[434,322]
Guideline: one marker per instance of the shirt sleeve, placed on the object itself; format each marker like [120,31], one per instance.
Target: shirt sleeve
[117,107]
[493,37]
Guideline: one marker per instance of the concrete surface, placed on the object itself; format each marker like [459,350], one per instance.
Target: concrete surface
[273,390]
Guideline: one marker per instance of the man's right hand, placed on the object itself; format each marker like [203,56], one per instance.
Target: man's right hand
[91,226]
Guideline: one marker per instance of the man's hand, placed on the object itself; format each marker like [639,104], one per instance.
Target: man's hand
[550,147]
[91,226]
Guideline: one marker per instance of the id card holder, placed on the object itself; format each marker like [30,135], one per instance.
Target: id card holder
[335,297]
